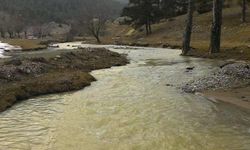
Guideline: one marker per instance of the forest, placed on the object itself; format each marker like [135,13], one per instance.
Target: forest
[17,15]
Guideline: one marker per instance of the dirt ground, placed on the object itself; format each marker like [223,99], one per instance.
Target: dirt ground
[237,96]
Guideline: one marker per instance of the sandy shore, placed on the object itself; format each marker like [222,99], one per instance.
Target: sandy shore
[236,96]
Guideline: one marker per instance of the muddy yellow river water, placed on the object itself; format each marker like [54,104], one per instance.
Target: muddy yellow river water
[129,108]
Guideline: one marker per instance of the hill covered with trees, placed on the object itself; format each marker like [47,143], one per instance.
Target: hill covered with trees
[16,15]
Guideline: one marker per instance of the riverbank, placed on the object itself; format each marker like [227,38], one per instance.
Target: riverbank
[26,44]
[168,33]
[237,96]
[228,51]
[23,78]
[231,84]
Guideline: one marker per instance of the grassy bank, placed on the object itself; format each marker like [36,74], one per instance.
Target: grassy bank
[168,33]
[53,82]
[24,77]
[27,45]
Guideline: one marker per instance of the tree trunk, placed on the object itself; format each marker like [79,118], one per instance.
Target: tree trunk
[188,30]
[216,26]
[97,38]
[147,27]
[18,34]
[2,34]
[10,34]
[159,4]
[244,8]
[25,34]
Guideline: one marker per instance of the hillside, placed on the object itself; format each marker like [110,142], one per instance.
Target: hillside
[235,35]
[59,10]
[123,1]
[17,15]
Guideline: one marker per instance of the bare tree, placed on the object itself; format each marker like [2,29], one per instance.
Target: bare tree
[38,31]
[3,28]
[96,27]
[18,28]
[216,26]
[188,30]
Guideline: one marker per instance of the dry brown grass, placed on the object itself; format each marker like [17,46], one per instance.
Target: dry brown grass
[26,44]
[235,35]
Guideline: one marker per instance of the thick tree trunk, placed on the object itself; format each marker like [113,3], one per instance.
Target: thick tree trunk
[96,35]
[244,8]
[188,30]
[216,26]
[98,39]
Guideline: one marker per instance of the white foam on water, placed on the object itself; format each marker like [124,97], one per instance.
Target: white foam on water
[1,53]
[7,47]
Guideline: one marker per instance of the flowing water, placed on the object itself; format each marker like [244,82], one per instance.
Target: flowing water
[129,108]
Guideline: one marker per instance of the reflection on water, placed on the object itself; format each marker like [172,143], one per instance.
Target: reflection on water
[129,107]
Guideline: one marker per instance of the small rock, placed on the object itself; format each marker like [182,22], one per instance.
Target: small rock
[190,68]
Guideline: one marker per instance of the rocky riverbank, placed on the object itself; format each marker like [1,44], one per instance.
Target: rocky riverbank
[23,78]
[228,76]
[230,84]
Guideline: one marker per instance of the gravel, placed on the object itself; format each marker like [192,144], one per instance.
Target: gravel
[231,75]
[13,71]
[86,60]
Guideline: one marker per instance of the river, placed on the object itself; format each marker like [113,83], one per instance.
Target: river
[133,107]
